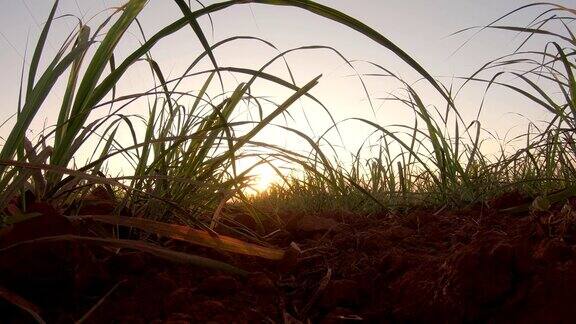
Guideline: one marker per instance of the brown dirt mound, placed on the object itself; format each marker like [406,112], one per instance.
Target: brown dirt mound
[452,266]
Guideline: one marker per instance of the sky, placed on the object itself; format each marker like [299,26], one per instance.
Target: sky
[422,28]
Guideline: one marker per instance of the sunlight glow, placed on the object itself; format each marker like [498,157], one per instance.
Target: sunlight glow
[264,177]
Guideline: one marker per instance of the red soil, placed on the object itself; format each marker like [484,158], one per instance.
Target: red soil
[453,266]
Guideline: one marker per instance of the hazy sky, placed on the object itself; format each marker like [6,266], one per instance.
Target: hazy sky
[420,27]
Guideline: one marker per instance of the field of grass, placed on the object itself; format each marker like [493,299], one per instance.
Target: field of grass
[185,176]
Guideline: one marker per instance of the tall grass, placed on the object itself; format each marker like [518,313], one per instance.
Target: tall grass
[175,146]
[439,160]
[184,157]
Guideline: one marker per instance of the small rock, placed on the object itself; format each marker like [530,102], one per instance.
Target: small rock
[312,223]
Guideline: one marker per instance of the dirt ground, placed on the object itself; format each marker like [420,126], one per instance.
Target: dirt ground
[473,265]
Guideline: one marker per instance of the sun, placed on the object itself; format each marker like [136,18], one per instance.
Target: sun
[264,177]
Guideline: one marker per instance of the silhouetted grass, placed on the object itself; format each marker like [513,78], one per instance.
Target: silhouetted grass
[184,160]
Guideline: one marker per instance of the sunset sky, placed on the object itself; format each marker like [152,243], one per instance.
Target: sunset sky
[420,27]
